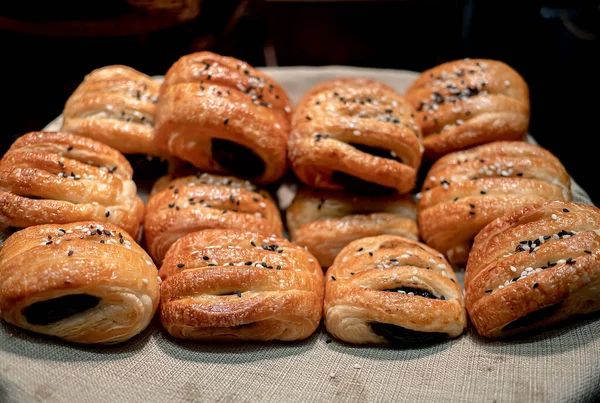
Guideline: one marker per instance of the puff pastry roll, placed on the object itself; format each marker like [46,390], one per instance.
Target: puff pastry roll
[115,105]
[223,116]
[466,190]
[355,134]
[85,282]
[465,103]
[533,268]
[179,206]
[326,221]
[392,290]
[227,285]
[54,177]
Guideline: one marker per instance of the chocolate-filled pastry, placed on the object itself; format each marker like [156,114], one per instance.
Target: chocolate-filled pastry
[466,190]
[465,103]
[115,106]
[355,134]
[325,221]
[533,268]
[54,177]
[179,206]
[228,285]
[224,116]
[84,282]
[392,290]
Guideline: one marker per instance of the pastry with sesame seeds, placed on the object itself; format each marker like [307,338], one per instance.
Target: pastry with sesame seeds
[56,177]
[84,282]
[465,190]
[534,268]
[179,206]
[325,221]
[223,116]
[464,103]
[228,285]
[392,290]
[357,135]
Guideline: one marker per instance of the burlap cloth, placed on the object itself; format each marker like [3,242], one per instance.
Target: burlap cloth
[559,365]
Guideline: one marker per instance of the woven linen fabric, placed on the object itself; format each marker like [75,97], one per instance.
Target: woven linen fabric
[558,365]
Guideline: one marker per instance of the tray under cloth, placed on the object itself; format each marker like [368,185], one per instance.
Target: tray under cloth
[559,365]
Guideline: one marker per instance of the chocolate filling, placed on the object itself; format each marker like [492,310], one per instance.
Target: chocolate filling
[236,158]
[357,185]
[147,167]
[55,309]
[416,291]
[376,151]
[533,317]
[400,336]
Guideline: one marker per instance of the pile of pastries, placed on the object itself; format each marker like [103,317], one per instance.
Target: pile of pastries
[361,247]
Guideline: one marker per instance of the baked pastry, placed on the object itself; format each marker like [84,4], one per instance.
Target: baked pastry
[466,190]
[465,103]
[179,206]
[227,285]
[355,134]
[533,268]
[325,221]
[84,282]
[223,116]
[392,290]
[54,177]
[115,105]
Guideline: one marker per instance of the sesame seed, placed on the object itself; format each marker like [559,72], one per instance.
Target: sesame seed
[554,217]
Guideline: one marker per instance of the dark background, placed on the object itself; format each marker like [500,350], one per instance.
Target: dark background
[46,51]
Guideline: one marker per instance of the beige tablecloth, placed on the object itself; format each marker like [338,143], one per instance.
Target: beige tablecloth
[560,365]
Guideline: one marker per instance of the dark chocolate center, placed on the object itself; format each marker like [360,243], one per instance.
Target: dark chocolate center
[376,151]
[53,310]
[533,317]
[236,158]
[357,185]
[147,167]
[400,336]
[416,291]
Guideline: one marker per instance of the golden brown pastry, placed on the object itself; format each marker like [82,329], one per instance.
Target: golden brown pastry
[466,190]
[325,221]
[115,105]
[179,206]
[224,116]
[54,177]
[228,285]
[533,268]
[356,134]
[85,282]
[392,290]
[465,103]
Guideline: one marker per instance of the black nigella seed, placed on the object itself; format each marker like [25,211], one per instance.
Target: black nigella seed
[175,191]
[176,207]
[333,278]
[308,118]
[472,205]
[535,285]
[48,243]
[121,240]
[455,199]
[69,253]
[205,257]
[588,251]
[370,253]
[107,232]
[279,250]
[171,205]
[107,214]
[472,212]
[328,341]
[252,243]
[102,241]
[278,267]
[239,293]
[226,121]
[99,232]
[566,210]
[69,148]
[248,263]
[488,291]
[482,192]
[180,265]
[519,173]
[360,249]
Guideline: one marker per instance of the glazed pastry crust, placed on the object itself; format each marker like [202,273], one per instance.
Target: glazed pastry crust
[206,97]
[54,177]
[279,296]
[50,261]
[115,105]
[465,103]
[545,256]
[180,206]
[326,221]
[354,296]
[466,190]
[336,114]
